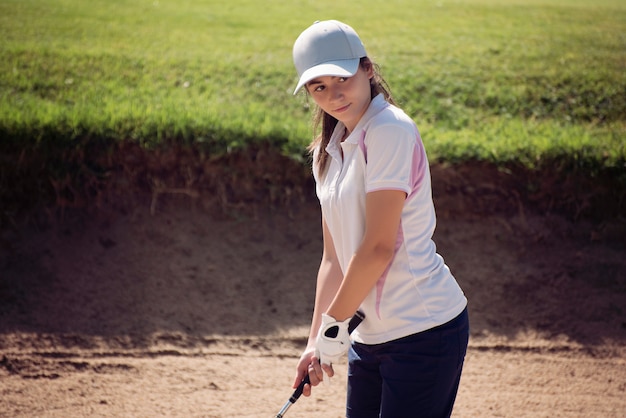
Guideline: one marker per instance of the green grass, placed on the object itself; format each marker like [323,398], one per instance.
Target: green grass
[522,81]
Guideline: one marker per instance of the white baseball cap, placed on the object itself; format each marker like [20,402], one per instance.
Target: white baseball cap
[327,48]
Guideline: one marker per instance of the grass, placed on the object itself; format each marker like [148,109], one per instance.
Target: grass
[518,81]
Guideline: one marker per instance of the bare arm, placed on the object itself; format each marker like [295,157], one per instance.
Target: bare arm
[329,278]
[383,210]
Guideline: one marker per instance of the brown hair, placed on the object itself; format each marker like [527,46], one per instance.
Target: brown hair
[326,124]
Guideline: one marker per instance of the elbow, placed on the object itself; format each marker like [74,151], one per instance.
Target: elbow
[383,254]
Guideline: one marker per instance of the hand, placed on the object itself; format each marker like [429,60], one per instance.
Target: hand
[309,366]
[333,340]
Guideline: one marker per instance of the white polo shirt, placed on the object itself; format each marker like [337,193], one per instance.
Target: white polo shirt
[385,152]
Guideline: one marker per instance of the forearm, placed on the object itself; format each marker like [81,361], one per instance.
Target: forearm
[366,267]
[329,279]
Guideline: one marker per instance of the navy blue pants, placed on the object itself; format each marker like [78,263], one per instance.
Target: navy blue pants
[412,377]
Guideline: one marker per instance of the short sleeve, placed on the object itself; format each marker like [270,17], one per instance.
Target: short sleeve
[391,153]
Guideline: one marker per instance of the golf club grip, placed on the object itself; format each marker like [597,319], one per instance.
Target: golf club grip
[354,322]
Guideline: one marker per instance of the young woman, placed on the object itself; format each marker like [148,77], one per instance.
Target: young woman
[373,183]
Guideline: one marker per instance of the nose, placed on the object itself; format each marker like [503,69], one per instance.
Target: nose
[336,92]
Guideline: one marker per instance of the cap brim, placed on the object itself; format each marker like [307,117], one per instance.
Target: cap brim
[341,68]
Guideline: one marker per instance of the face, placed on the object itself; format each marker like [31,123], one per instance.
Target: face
[344,98]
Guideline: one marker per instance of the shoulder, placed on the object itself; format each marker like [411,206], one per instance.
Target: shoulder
[392,115]
[391,122]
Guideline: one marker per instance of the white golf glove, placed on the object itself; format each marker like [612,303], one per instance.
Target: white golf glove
[333,340]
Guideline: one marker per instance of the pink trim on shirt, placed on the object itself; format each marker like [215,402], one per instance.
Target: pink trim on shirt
[362,145]
[418,167]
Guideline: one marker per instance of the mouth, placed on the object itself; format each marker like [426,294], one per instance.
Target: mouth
[342,109]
